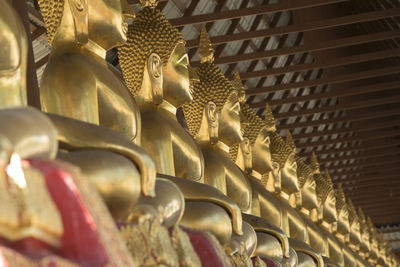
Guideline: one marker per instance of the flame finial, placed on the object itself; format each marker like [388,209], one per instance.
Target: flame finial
[239,87]
[269,118]
[314,163]
[148,3]
[206,51]
[290,141]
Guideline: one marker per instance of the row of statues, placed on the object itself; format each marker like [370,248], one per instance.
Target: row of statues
[105,175]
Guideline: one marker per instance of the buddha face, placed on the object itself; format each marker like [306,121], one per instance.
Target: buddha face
[229,121]
[309,194]
[355,237]
[365,246]
[246,150]
[262,161]
[343,222]
[13,59]
[329,208]
[277,176]
[176,85]
[289,175]
[107,26]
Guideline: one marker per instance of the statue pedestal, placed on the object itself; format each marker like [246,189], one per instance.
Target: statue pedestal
[90,237]
[207,248]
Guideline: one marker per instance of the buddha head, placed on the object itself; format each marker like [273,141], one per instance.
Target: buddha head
[325,194]
[343,226]
[364,245]
[373,239]
[104,25]
[307,185]
[284,155]
[214,113]
[382,248]
[13,59]
[355,231]
[154,61]
[256,134]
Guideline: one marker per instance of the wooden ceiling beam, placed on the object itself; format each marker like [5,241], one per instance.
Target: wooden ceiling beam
[377,200]
[370,190]
[342,140]
[300,27]
[363,172]
[375,204]
[346,106]
[367,181]
[375,163]
[338,93]
[357,117]
[134,2]
[357,148]
[252,11]
[347,60]
[381,197]
[336,43]
[328,80]
[366,127]
[364,155]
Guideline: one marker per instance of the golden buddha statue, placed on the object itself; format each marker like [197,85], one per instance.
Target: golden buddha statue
[343,226]
[214,122]
[355,234]
[365,242]
[22,188]
[284,154]
[35,223]
[373,239]
[355,230]
[308,208]
[13,60]
[253,157]
[326,216]
[78,84]
[382,250]
[157,72]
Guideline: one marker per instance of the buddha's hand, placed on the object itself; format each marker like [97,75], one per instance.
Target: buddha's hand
[6,150]
[74,135]
[147,170]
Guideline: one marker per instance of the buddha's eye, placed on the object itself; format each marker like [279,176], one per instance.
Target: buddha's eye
[236,108]
[184,60]
[267,141]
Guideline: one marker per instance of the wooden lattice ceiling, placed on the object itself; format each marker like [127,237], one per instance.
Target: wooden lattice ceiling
[329,69]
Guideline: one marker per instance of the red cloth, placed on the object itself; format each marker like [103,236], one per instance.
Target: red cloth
[268,262]
[207,248]
[80,241]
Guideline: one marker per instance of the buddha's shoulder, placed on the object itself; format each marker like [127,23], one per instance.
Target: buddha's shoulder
[70,63]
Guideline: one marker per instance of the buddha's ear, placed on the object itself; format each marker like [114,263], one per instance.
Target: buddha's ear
[247,154]
[212,118]
[154,68]
[277,177]
[79,10]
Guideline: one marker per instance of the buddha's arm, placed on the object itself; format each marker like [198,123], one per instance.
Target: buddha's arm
[300,246]
[239,189]
[297,226]
[69,88]
[157,143]
[193,191]
[77,135]
[30,133]
[330,263]
[261,225]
